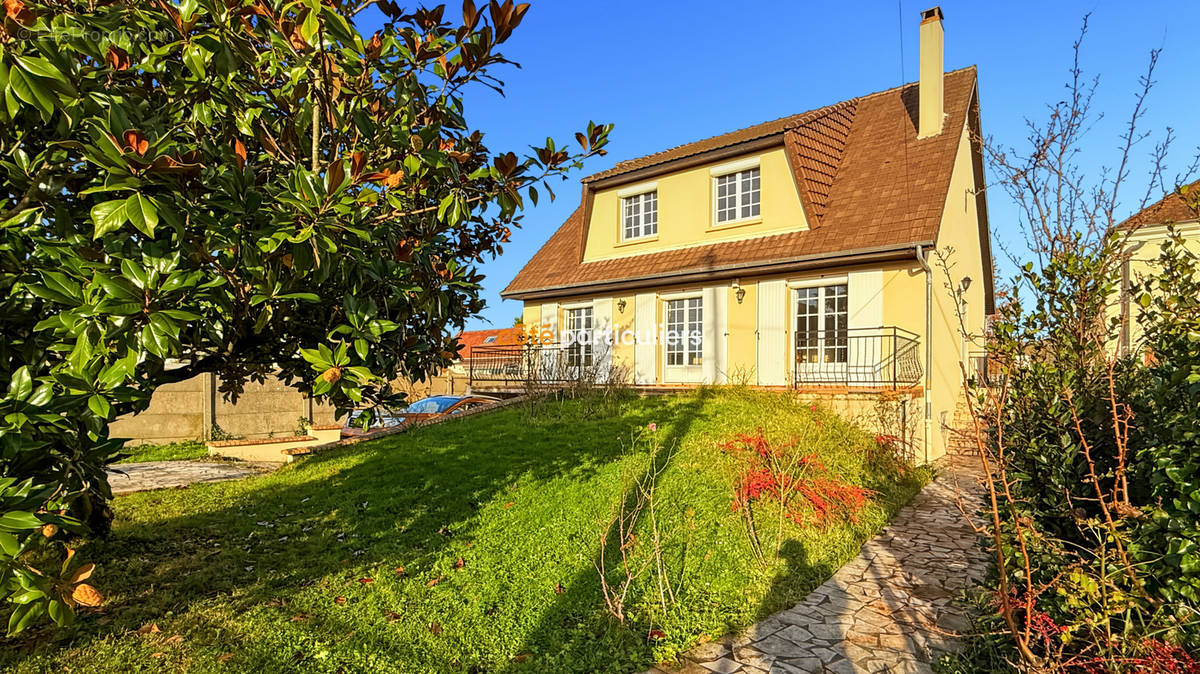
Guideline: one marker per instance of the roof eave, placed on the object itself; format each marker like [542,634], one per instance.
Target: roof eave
[769,140]
[721,272]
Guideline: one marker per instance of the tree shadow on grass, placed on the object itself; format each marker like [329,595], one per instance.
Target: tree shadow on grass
[410,500]
[581,603]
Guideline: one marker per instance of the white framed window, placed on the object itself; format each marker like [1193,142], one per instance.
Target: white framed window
[579,337]
[736,196]
[822,320]
[685,332]
[639,215]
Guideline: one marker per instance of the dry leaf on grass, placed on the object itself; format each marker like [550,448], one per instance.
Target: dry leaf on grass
[174,640]
[86,595]
[436,628]
[391,616]
[366,581]
[340,601]
[300,617]
[435,581]
[149,628]
[224,657]
[459,563]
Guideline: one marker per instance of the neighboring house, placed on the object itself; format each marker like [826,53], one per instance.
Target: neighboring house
[794,253]
[1147,231]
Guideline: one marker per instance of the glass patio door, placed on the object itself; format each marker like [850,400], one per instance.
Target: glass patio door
[821,344]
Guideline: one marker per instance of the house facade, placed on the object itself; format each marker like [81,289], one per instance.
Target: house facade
[835,252]
[1145,234]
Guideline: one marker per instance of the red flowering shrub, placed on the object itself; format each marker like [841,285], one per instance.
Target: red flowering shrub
[779,473]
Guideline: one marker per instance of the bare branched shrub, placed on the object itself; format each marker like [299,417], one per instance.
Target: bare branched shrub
[624,558]
[1078,585]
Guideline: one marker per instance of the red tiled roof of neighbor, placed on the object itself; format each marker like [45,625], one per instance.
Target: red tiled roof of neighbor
[866,182]
[1175,207]
[474,338]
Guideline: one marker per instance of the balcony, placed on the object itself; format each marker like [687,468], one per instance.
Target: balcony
[884,357]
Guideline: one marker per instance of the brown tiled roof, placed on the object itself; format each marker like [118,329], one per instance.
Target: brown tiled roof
[818,147]
[715,143]
[866,182]
[473,338]
[1175,207]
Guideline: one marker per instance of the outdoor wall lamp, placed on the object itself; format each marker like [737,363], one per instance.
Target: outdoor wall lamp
[966,283]
[621,305]
[740,294]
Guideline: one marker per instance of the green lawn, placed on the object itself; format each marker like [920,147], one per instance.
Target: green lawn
[175,451]
[270,573]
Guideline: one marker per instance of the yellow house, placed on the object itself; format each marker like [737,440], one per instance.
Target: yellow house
[801,252]
[1146,232]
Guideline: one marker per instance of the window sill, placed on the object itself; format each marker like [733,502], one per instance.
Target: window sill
[634,242]
[756,220]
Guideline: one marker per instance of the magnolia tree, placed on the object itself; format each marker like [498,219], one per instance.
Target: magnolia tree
[242,187]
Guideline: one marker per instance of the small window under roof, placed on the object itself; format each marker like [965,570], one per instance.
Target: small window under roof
[489,340]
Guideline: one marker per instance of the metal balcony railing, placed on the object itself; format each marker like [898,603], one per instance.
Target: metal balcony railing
[883,357]
[984,371]
[515,365]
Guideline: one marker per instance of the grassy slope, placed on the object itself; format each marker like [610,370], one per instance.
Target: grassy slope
[254,567]
[175,451]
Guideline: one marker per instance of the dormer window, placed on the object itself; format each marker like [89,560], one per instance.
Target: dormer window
[737,196]
[639,215]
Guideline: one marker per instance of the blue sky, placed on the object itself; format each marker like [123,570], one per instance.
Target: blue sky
[667,73]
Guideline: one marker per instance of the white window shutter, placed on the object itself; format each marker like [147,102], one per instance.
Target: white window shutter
[550,318]
[772,333]
[865,298]
[602,336]
[864,304]
[550,322]
[715,322]
[645,325]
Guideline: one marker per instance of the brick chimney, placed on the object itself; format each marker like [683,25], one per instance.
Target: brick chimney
[930,101]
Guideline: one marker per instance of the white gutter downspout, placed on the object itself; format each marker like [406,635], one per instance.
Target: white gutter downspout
[928,346]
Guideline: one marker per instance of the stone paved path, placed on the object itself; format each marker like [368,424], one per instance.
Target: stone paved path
[130,477]
[891,609]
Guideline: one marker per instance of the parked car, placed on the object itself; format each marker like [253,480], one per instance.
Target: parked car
[384,418]
[426,408]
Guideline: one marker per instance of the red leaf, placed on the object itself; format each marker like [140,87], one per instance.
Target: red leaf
[435,581]
[135,141]
[240,151]
[459,563]
[358,161]
[399,570]
[117,58]
[374,46]
[366,581]
[15,10]
[657,634]
[340,601]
